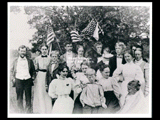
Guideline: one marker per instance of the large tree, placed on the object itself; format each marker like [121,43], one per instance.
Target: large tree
[117,22]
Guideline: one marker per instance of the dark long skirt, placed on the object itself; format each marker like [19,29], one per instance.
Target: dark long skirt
[77,105]
[112,102]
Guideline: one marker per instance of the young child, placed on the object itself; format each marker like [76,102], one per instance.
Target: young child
[134,101]
[92,96]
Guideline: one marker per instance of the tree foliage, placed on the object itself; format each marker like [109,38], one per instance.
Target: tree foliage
[15,9]
[117,22]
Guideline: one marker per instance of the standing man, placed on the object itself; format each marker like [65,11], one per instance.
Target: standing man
[69,55]
[117,59]
[22,76]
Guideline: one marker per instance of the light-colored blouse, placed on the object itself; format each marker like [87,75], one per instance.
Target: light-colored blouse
[60,87]
[105,58]
[78,60]
[129,71]
[80,79]
[110,84]
[145,68]
[41,62]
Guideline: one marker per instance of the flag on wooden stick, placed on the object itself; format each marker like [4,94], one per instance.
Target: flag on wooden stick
[92,29]
[50,35]
[50,38]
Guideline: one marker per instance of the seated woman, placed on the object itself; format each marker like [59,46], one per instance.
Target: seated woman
[112,90]
[128,71]
[134,101]
[81,80]
[60,89]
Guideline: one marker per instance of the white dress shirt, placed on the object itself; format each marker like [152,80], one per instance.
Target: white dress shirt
[119,62]
[69,59]
[52,68]
[78,60]
[22,69]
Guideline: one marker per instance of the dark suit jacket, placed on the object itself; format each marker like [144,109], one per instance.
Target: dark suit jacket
[51,74]
[113,63]
[92,53]
[30,66]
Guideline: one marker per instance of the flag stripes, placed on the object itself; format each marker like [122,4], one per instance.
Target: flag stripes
[50,35]
[75,36]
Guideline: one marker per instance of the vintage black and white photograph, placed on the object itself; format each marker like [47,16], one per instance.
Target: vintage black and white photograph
[79,59]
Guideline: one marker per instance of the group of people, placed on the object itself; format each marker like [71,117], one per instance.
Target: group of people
[87,82]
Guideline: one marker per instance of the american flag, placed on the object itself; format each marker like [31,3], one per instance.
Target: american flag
[50,35]
[75,36]
[92,29]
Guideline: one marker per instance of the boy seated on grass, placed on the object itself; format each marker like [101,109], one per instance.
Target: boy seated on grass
[92,96]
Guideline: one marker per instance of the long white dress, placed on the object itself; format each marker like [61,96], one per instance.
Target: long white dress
[61,89]
[130,72]
[42,103]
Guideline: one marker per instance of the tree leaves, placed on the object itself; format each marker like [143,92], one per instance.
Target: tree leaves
[117,22]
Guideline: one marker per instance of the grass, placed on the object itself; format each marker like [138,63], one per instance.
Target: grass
[13,100]
[12,97]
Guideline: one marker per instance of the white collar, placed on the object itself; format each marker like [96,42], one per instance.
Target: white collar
[130,62]
[22,58]
[139,61]
[80,57]
[69,53]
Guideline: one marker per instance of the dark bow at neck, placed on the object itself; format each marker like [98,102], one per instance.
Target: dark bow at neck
[43,55]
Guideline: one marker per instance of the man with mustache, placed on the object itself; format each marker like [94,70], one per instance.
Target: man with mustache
[22,76]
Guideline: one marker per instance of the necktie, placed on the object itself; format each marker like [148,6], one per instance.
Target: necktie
[44,56]
[119,56]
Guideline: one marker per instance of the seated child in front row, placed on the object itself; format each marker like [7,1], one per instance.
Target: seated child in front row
[134,101]
[92,96]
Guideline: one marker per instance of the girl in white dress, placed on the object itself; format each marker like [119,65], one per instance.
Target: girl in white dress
[42,103]
[60,89]
[129,71]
